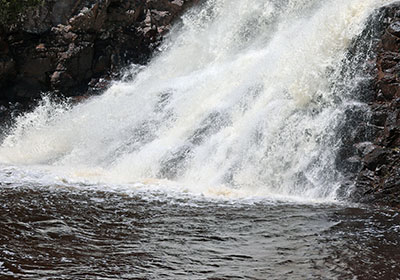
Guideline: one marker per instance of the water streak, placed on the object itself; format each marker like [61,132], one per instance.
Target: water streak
[241,99]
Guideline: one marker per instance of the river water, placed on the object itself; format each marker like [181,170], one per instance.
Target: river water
[65,232]
[218,160]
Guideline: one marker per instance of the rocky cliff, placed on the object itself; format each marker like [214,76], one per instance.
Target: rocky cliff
[378,181]
[73,46]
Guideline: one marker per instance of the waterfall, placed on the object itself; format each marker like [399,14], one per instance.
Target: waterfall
[242,97]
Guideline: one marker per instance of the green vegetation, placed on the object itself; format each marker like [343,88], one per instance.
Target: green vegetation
[11,9]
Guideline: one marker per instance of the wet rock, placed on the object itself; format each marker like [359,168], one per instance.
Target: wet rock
[62,79]
[101,64]
[389,90]
[98,85]
[378,181]
[390,42]
[365,148]
[378,116]
[392,129]
[394,28]
[375,158]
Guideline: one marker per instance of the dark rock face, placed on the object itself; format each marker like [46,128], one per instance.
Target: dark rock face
[378,181]
[66,46]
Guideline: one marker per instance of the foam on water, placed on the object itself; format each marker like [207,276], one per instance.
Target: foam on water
[241,102]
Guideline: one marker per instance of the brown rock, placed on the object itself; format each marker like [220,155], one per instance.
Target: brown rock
[101,64]
[375,158]
[390,42]
[61,79]
[63,45]
[389,90]
[394,28]
[392,128]
[379,181]
[36,68]
[90,18]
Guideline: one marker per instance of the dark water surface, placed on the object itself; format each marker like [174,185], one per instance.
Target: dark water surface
[70,233]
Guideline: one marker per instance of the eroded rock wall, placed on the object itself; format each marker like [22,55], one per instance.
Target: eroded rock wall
[378,181]
[71,46]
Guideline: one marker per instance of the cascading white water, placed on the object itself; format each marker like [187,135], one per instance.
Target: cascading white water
[242,97]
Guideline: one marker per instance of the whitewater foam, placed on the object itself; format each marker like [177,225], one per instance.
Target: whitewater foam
[241,101]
